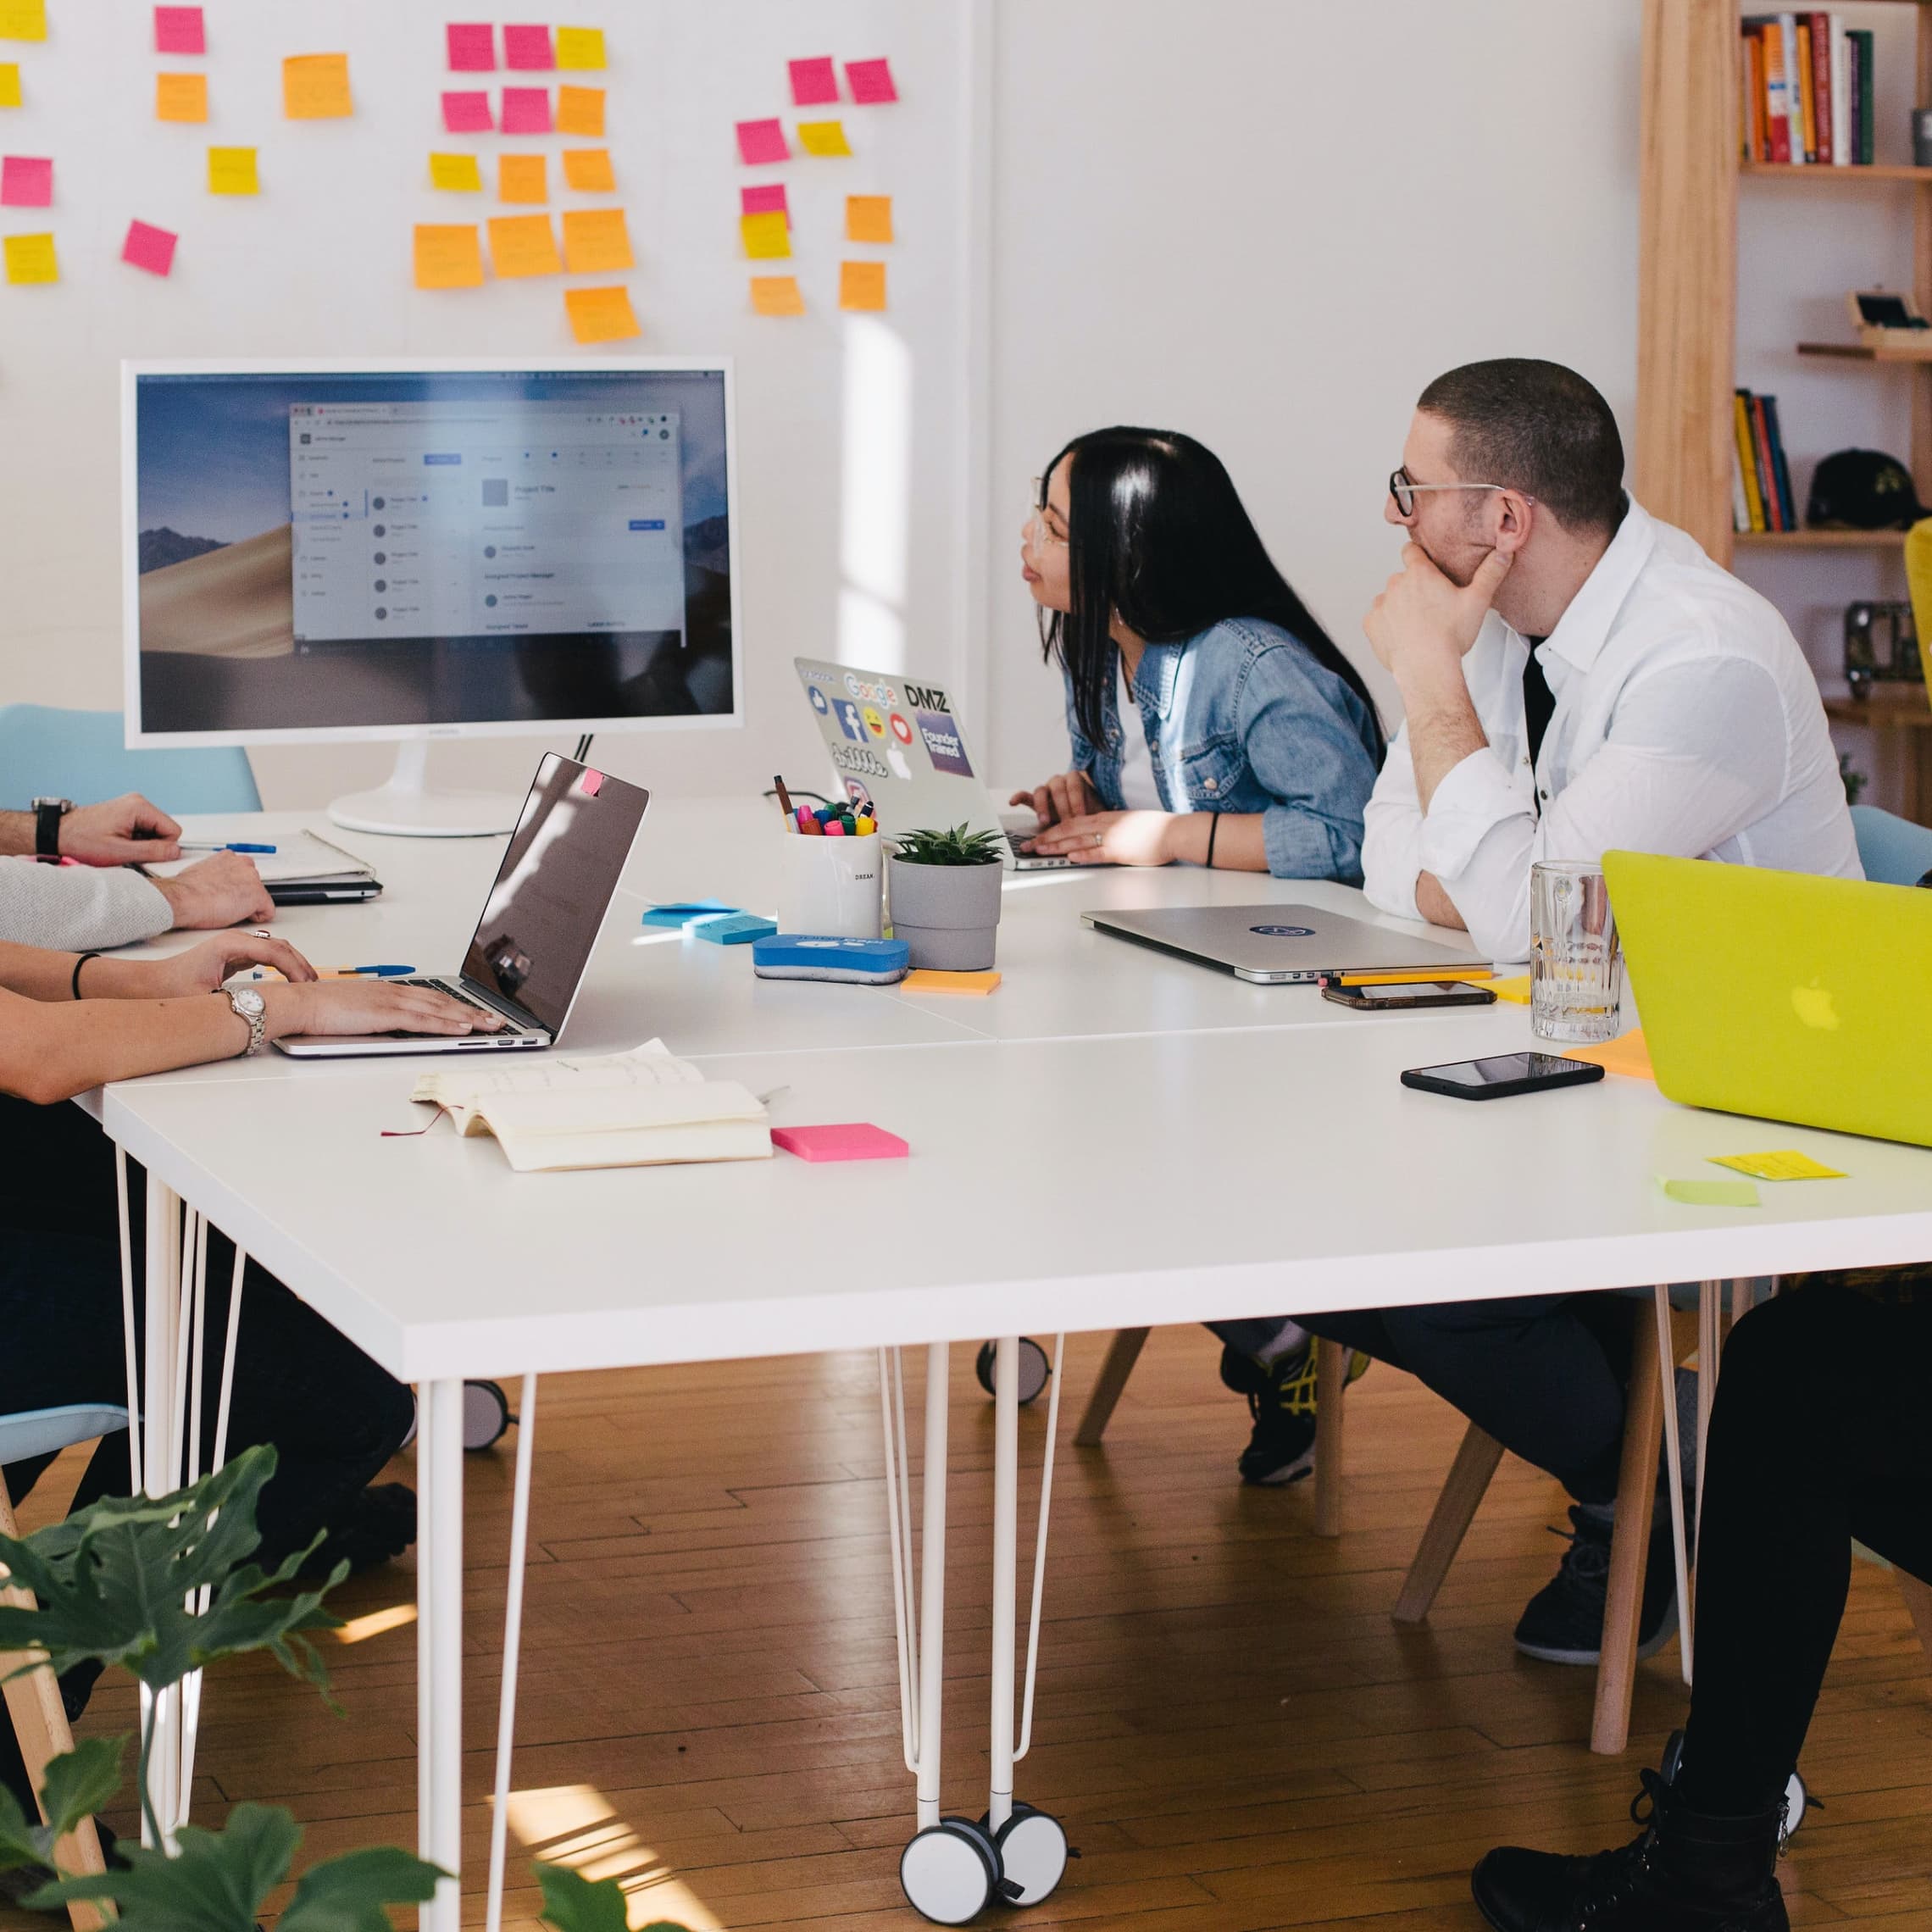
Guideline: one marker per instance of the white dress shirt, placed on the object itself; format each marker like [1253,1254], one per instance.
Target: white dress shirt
[1687,722]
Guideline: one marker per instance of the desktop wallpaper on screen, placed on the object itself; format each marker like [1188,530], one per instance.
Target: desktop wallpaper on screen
[337,551]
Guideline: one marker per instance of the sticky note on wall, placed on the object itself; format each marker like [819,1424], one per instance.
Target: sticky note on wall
[526,110]
[764,197]
[871,82]
[767,237]
[10,83]
[526,50]
[26,181]
[588,169]
[601,315]
[862,284]
[472,46]
[179,29]
[466,112]
[776,295]
[180,97]
[522,178]
[814,82]
[149,247]
[580,110]
[456,174]
[761,142]
[595,242]
[315,86]
[231,171]
[31,259]
[448,255]
[868,217]
[823,138]
[579,49]
[523,245]
[25,19]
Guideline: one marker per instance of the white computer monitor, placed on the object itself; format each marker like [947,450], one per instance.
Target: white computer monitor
[413,550]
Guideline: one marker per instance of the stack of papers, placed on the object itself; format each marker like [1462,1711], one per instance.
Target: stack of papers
[300,862]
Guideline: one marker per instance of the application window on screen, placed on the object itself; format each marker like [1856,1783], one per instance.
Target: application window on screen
[481,519]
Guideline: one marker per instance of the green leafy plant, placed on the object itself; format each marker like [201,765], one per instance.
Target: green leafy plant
[956,847]
[1855,780]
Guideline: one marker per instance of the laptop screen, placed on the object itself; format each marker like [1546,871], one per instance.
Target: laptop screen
[550,893]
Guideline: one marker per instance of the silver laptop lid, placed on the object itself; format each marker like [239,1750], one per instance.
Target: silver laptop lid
[1279,945]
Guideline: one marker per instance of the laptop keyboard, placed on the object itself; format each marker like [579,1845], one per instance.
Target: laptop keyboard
[451,990]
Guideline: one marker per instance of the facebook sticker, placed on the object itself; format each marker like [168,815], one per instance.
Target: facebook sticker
[850,722]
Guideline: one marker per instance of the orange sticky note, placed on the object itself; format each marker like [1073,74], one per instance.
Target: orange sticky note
[523,245]
[601,315]
[579,47]
[823,137]
[1626,1054]
[579,110]
[776,295]
[180,97]
[595,242]
[588,169]
[868,217]
[768,236]
[448,255]
[926,981]
[10,83]
[315,86]
[456,174]
[32,258]
[231,171]
[862,284]
[523,178]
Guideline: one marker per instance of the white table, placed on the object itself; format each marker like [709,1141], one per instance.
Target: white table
[1115,1138]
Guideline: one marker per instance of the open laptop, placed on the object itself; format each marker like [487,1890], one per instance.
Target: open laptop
[539,924]
[1281,945]
[900,744]
[1779,994]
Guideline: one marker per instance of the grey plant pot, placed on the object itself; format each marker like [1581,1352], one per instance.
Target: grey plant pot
[948,915]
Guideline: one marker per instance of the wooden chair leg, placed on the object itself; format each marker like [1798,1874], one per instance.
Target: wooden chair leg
[1331,1391]
[1918,1600]
[1469,1477]
[1122,1353]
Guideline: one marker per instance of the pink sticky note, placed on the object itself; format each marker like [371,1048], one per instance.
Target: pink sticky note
[870,81]
[814,82]
[26,181]
[472,46]
[760,142]
[178,30]
[467,114]
[765,199]
[526,110]
[149,248]
[850,1141]
[527,49]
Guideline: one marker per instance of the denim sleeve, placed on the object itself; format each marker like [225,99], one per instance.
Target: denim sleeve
[1305,751]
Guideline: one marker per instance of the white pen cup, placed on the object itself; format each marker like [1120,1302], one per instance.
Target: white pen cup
[832,887]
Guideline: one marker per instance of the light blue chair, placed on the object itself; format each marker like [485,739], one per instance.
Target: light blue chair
[46,752]
[1893,850]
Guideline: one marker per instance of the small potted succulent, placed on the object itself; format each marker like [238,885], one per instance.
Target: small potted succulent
[946,897]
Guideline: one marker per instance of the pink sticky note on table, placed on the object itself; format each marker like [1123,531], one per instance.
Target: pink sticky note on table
[527,49]
[870,81]
[472,46]
[26,181]
[760,142]
[814,82]
[526,110]
[149,248]
[766,197]
[178,30]
[850,1141]
[467,114]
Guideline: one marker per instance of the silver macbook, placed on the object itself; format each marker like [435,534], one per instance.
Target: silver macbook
[539,925]
[1281,945]
[899,744]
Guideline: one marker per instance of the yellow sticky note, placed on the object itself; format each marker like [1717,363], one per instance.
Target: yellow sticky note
[448,255]
[32,258]
[776,295]
[595,242]
[862,284]
[457,173]
[10,83]
[588,169]
[580,48]
[579,110]
[315,86]
[823,137]
[768,236]
[1710,1193]
[231,171]
[523,178]
[523,245]
[601,315]
[1787,1163]
[1516,990]
[868,217]
[23,20]
[180,97]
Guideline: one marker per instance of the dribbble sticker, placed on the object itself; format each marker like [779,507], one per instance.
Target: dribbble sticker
[873,723]
[850,722]
[943,743]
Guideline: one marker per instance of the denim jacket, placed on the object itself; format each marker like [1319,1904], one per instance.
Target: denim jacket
[1243,719]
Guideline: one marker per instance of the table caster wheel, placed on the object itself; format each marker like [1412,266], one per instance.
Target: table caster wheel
[1797,1802]
[950,1873]
[1034,1368]
[486,1415]
[1032,1855]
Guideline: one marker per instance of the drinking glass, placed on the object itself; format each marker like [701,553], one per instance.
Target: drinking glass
[1576,970]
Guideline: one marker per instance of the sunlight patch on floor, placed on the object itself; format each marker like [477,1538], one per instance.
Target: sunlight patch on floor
[575,1825]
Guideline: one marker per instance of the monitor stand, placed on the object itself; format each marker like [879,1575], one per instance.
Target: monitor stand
[407,807]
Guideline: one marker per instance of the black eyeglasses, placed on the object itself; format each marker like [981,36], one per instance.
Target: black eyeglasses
[1404,489]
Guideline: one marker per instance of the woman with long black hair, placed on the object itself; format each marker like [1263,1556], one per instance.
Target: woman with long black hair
[1212,720]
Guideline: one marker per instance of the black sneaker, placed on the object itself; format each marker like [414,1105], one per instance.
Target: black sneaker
[375,1528]
[1281,1399]
[1563,1621]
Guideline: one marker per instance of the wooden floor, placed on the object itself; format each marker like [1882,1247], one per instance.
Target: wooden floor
[1234,1731]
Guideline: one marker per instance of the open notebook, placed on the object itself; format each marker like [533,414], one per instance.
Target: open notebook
[304,869]
[643,1108]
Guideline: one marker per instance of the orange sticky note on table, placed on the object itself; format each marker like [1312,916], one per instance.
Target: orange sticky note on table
[588,169]
[10,83]
[579,47]
[231,171]
[595,242]
[580,110]
[862,284]
[868,217]
[776,295]
[32,258]
[315,86]
[927,980]
[523,178]
[180,97]
[768,236]
[523,245]
[448,255]
[1626,1054]
[456,174]
[601,315]
[823,137]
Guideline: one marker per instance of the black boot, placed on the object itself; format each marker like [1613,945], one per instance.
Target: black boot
[1688,1873]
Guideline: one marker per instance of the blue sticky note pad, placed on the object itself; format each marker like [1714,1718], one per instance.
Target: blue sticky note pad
[732,929]
[682,912]
[808,956]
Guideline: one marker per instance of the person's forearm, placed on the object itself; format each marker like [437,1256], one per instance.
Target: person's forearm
[53,1052]
[37,973]
[75,908]
[16,832]
[1443,727]
[1239,842]
[1434,904]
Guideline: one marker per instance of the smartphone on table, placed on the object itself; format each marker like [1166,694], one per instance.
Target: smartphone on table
[1376,997]
[1503,1075]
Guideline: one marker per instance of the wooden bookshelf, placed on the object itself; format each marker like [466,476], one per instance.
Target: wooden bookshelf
[1783,171]
[1857,351]
[1819,539]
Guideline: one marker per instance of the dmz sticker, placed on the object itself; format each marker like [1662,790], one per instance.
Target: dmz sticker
[1284,932]
[943,743]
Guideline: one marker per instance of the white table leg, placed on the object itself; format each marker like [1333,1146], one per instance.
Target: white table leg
[1006,1571]
[162,1311]
[932,1581]
[512,1649]
[439,1646]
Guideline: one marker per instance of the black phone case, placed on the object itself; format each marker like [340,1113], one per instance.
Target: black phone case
[1338,996]
[1586,1075]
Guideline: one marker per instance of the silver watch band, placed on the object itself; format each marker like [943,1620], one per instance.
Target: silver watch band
[258,1030]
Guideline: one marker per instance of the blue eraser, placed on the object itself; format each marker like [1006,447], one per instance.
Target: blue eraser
[732,929]
[857,961]
[682,912]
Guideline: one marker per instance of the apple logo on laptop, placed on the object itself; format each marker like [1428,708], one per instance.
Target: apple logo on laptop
[1813,1004]
[897,759]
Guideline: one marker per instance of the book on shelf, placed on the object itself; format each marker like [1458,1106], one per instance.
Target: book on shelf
[1806,84]
[1761,486]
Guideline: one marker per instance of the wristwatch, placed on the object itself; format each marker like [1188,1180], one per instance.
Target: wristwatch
[48,814]
[249,1005]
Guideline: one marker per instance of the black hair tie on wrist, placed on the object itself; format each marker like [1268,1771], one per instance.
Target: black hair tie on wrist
[1214,828]
[78,965]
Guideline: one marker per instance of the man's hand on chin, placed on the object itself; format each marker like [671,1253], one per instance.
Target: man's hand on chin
[1434,904]
[1424,616]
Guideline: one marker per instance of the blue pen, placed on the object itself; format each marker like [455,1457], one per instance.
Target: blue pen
[372,972]
[188,846]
